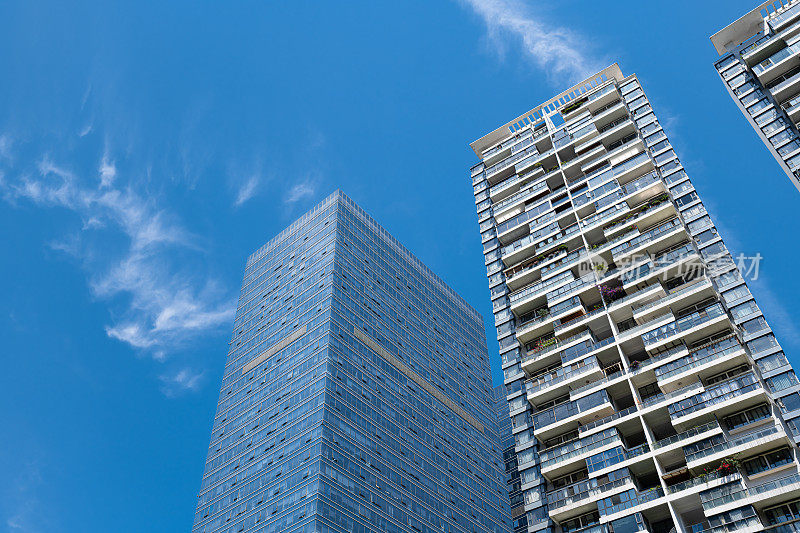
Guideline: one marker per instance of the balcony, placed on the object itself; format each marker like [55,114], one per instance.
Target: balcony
[670,228]
[688,324]
[560,459]
[553,380]
[768,493]
[636,500]
[778,63]
[575,286]
[582,496]
[683,438]
[700,286]
[704,361]
[571,412]
[718,399]
[541,348]
[527,193]
[518,250]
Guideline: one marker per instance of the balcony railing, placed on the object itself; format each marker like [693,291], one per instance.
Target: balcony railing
[752,491]
[565,452]
[569,409]
[715,395]
[683,324]
[721,447]
[552,344]
[524,194]
[689,433]
[540,287]
[580,491]
[699,357]
[673,294]
[776,58]
[505,163]
[647,237]
[560,375]
[695,482]
[605,420]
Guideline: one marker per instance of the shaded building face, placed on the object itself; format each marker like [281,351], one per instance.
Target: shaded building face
[357,394]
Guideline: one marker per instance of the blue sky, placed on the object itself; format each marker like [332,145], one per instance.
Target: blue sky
[146,149]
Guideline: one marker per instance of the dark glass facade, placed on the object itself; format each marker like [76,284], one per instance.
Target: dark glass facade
[356,395]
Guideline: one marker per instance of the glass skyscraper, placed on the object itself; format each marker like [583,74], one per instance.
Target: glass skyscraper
[646,390]
[356,395]
[760,68]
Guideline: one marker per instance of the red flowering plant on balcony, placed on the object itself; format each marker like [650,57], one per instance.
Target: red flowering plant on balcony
[726,467]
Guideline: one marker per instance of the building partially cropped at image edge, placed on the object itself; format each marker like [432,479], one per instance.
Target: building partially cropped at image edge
[646,389]
[760,68]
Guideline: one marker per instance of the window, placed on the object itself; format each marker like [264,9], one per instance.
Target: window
[781,381]
[762,343]
[748,416]
[771,362]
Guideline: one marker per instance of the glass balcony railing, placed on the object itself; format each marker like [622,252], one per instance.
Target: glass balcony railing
[646,325]
[647,237]
[522,218]
[605,420]
[522,195]
[565,452]
[611,212]
[742,492]
[505,163]
[569,409]
[715,351]
[642,365]
[715,395]
[689,433]
[560,375]
[694,482]
[776,58]
[583,490]
[542,348]
[674,294]
[683,324]
[588,348]
[577,319]
[541,286]
[641,183]
[587,280]
[569,259]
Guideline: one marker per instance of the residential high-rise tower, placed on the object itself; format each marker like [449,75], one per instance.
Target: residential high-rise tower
[646,390]
[356,395]
[760,68]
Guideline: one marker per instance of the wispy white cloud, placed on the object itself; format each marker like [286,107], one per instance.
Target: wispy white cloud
[107,171]
[157,305]
[247,190]
[183,380]
[558,50]
[27,514]
[305,189]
